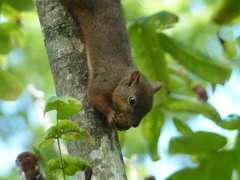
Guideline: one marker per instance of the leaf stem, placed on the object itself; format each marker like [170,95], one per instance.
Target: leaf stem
[59,148]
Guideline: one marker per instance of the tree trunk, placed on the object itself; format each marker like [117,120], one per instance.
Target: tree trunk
[68,61]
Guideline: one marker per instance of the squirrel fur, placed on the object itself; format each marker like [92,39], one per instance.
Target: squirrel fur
[115,87]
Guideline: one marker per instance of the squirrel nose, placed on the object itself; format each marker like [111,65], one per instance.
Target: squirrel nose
[135,125]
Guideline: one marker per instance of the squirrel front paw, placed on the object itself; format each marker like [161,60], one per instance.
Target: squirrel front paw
[119,122]
[111,120]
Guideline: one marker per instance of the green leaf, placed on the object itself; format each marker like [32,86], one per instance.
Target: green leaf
[159,21]
[186,174]
[151,129]
[237,154]
[73,164]
[5,41]
[46,141]
[10,87]
[65,106]
[182,126]
[67,130]
[189,104]
[148,56]
[70,131]
[215,166]
[54,166]
[177,83]
[218,165]
[14,30]
[1,4]
[52,133]
[23,5]
[183,81]
[226,11]
[199,63]
[232,122]
[238,40]
[230,51]
[197,143]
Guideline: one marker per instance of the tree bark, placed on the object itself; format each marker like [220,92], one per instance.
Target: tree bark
[68,61]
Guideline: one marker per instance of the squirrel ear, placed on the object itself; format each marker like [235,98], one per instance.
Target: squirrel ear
[156,86]
[134,77]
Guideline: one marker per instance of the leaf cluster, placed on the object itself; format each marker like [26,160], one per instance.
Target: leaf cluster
[20,64]
[11,36]
[64,129]
[185,72]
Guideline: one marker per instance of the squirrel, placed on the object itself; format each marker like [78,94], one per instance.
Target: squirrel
[115,88]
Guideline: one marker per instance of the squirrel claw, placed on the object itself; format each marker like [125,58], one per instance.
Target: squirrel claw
[118,121]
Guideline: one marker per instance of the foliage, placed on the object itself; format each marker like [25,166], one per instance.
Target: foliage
[213,166]
[181,73]
[65,106]
[184,50]
[11,87]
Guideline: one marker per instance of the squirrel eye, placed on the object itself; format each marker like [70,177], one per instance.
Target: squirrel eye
[131,101]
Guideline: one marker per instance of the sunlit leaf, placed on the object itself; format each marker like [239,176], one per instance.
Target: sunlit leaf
[151,129]
[197,143]
[148,56]
[5,41]
[186,174]
[189,104]
[230,51]
[54,166]
[15,32]
[182,126]
[226,11]
[10,86]
[73,164]
[65,106]
[232,122]
[159,21]
[67,130]
[70,131]
[183,81]
[238,40]
[199,63]
[46,141]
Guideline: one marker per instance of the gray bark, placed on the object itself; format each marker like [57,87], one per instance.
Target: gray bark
[67,57]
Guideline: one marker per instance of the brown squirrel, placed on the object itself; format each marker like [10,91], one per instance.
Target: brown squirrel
[115,87]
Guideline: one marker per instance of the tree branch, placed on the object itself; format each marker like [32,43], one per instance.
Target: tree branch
[67,57]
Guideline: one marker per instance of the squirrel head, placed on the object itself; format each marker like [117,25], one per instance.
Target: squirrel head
[133,99]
